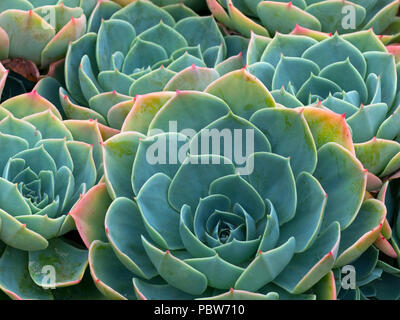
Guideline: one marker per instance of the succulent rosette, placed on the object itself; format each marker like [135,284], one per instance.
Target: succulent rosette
[352,74]
[177,220]
[38,32]
[378,269]
[46,167]
[268,17]
[140,49]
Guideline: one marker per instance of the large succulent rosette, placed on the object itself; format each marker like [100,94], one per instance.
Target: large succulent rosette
[267,215]
[137,50]
[353,75]
[268,17]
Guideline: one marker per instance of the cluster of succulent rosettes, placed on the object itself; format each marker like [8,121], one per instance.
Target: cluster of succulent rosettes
[268,17]
[268,215]
[137,50]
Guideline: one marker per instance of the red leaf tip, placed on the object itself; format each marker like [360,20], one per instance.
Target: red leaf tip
[231,290]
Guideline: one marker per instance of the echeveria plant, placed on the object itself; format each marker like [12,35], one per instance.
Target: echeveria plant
[177,218]
[136,50]
[40,31]
[45,169]
[268,17]
[353,75]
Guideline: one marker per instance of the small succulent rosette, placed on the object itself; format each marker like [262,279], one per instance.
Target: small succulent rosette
[269,17]
[136,50]
[45,168]
[225,194]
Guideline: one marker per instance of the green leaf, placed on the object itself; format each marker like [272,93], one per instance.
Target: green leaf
[311,203]
[239,191]
[149,291]
[69,264]
[194,177]
[220,274]
[110,276]
[280,126]
[15,280]
[282,193]
[362,233]
[266,266]
[192,78]
[157,213]
[124,230]
[107,43]
[285,16]
[119,154]
[142,55]
[307,268]
[184,109]
[89,214]
[176,272]
[244,93]
[135,12]
[344,180]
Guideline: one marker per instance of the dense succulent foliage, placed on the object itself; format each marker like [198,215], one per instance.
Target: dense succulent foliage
[253,153]
[268,17]
[45,168]
[103,70]
[210,222]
